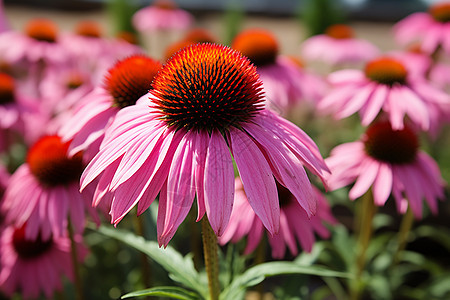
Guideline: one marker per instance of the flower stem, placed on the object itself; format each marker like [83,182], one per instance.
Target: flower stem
[365,212]
[79,295]
[403,233]
[211,258]
[145,265]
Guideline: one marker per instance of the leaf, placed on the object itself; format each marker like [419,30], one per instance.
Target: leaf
[164,291]
[181,269]
[258,273]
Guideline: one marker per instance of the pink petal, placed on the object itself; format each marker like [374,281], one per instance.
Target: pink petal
[372,109]
[199,162]
[368,172]
[218,183]
[257,178]
[382,185]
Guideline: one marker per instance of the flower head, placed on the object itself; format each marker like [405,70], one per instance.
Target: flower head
[206,106]
[285,83]
[34,266]
[295,225]
[389,162]
[124,83]
[43,192]
[429,28]
[338,45]
[385,86]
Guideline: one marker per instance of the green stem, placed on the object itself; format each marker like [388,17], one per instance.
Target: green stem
[211,258]
[365,212]
[145,265]
[403,233]
[79,295]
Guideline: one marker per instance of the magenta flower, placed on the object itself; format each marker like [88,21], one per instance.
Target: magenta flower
[20,115]
[430,28]
[125,83]
[338,45]
[295,224]
[388,162]
[385,85]
[34,267]
[285,83]
[206,107]
[39,42]
[43,192]
[162,15]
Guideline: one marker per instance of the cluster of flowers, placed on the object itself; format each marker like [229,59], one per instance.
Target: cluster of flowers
[107,127]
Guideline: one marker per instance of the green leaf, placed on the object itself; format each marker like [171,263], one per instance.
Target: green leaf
[258,273]
[164,291]
[181,269]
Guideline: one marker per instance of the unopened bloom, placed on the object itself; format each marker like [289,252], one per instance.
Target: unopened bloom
[430,28]
[338,45]
[295,225]
[34,267]
[388,162]
[43,193]
[384,86]
[285,83]
[206,107]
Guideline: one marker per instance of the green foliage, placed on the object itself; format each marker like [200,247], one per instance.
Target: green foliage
[164,291]
[317,15]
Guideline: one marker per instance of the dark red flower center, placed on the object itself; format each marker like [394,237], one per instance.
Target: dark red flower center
[88,29]
[130,79]
[259,45]
[206,87]
[29,249]
[49,163]
[440,12]
[386,70]
[6,89]
[42,30]
[393,146]
[340,31]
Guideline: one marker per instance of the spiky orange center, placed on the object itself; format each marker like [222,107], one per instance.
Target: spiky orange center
[175,47]
[340,31]
[206,87]
[127,36]
[49,163]
[165,4]
[29,249]
[393,146]
[386,70]
[75,80]
[259,45]
[6,88]
[130,79]
[199,35]
[440,12]
[42,30]
[88,29]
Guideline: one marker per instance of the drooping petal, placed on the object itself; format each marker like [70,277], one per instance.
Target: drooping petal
[218,183]
[257,178]
[382,186]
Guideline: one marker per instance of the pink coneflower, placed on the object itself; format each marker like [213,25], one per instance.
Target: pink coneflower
[19,114]
[125,83]
[206,107]
[162,15]
[430,28]
[295,225]
[337,46]
[285,83]
[39,43]
[388,162]
[62,88]
[44,191]
[33,267]
[384,85]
